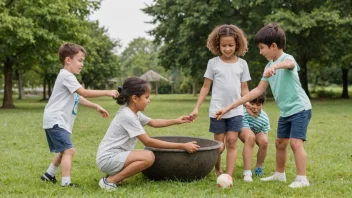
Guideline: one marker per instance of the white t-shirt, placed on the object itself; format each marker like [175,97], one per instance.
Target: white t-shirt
[227,79]
[122,133]
[63,102]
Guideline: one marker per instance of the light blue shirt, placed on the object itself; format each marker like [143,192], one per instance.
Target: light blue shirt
[287,90]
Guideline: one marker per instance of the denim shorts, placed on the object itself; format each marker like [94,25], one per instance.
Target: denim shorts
[114,164]
[58,139]
[224,125]
[294,126]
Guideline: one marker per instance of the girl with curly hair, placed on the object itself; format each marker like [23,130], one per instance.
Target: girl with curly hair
[229,75]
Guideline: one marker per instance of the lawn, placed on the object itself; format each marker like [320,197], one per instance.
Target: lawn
[25,154]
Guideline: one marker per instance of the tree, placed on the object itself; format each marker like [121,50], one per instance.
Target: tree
[31,31]
[183,27]
[140,56]
[101,63]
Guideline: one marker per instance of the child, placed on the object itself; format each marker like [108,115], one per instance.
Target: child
[61,110]
[116,155]
[257,128]
[230,75]
[295,108]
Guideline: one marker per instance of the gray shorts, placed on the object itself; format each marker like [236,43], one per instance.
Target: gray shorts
[58,139]
[114,164]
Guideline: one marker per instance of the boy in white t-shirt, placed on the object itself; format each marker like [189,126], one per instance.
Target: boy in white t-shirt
[61,111]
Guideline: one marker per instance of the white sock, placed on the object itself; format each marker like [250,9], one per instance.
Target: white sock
[301,177]
[280,174]
[65,180]
[51,170]
[247,172]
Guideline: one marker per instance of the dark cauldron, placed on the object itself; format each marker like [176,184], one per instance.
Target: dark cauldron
[175,164]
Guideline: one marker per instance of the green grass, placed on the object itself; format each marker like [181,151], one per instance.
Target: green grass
[25,155]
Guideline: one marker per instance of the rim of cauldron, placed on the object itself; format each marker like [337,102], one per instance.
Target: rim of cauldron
[183,151]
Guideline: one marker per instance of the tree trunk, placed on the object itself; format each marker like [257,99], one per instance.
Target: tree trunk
[49,87]
[7,101]
[20,85]
[303,76]
[44,89]
[344,83]
[194,88]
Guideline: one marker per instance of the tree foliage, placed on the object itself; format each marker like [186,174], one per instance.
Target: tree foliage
[310,25]
[31,31]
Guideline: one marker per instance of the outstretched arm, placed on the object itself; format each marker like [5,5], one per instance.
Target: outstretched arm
[190,147]
[87,93]
[259,90]
[202,95]
[157,123]
[89,104]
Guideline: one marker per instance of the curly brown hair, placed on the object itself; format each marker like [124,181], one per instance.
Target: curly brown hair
[213,42]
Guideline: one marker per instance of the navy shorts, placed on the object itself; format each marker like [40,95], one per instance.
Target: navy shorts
[294,126]
[58,139]
[226,124]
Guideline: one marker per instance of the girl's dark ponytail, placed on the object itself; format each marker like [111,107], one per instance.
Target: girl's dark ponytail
[131,86]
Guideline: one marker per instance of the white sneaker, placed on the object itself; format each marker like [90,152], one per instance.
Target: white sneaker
[275,177]
[107,186]
[248,178]
[299,183]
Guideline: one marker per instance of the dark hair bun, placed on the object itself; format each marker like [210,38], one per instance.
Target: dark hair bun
[119,89]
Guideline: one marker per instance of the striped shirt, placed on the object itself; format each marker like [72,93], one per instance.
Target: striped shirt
[257,125]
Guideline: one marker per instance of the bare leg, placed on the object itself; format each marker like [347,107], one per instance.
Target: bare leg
[248,138]
[57,159]
[66,161]
[136,162]
[231,146]
[300,155]
[262,141]
[219,137]
[281,154]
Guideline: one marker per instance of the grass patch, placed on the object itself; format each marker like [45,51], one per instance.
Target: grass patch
[25,154]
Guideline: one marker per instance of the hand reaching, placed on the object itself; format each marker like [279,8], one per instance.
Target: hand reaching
[270,71]
[218,115]
[102,111]
[113,93]
[194,115]
[183,119]
[191,147]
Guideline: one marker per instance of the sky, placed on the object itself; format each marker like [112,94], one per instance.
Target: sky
[124,19]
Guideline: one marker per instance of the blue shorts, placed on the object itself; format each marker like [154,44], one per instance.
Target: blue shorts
[294,126]
[58,139]
[226,124]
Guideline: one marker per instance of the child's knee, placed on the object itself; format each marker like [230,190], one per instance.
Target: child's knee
[231,143]
[296,144]
[250,140]
[70,151]
[150,158]
[264,144]
[281,143]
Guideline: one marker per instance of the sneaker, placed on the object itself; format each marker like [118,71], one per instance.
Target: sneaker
[48,177]
[70,185]
[248,178]
[275,177]
[107,186]
[299,183]
[259,171]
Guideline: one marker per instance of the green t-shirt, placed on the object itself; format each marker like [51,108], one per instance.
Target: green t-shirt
[287,90]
